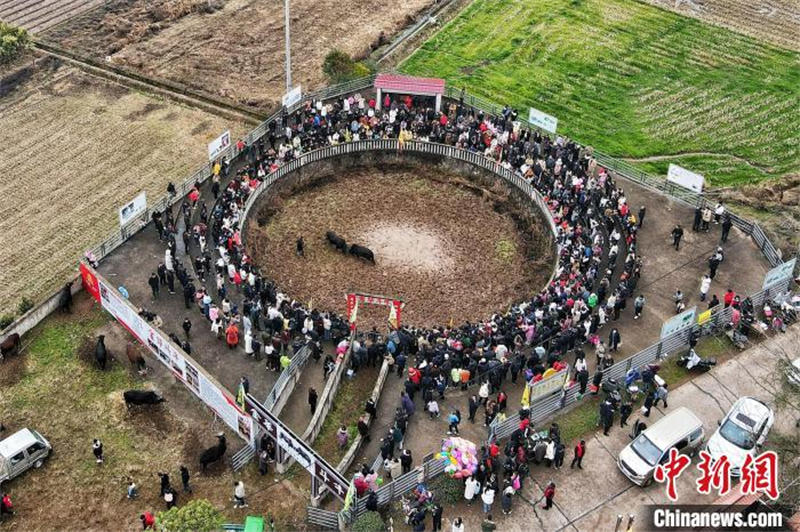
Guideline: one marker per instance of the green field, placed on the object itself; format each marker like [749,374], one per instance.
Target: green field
[631,80]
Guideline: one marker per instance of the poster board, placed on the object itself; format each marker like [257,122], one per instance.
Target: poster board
[219,145]
[780,272]
[132,209]
[685,178]
[542,120]
[678,322]
[549,385]
[292,97]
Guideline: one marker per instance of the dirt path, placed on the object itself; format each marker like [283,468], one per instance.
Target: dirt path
[667,157]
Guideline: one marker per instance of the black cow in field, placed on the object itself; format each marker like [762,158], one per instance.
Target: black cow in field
[65,299]
[142,397]
[100,352]
[214,454]
[337,241]
[10,346]
[363,252]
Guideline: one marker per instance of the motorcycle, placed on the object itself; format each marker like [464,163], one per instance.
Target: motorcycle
[692,360]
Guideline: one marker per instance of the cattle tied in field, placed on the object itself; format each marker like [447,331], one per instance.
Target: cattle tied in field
[100,352]
[135,358]
[362,252]
[337,241]
[142,397]
[214,454]
[10,346]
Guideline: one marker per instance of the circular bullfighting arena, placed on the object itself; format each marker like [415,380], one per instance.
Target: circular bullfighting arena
[450,247]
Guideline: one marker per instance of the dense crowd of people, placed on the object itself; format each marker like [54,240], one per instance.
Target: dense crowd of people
[598,266]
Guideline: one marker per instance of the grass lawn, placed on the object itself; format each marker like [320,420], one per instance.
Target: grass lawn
[631,80]
[345,410]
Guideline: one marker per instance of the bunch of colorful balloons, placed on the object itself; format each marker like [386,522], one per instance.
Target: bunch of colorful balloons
[460,456]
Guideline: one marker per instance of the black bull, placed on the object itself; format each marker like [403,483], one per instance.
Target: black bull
[141,397]
[363,252]
[337,241]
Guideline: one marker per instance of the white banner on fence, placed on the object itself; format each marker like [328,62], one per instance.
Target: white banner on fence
[219,145]
[220,402]
[292,97]
[132,209]
[542,120]
[678,322]
[298,449]
[780,272]
[683,177]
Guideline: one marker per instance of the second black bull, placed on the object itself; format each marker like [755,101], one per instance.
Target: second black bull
[357,250]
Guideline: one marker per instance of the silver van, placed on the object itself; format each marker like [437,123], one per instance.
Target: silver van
[680,429]
[21,451]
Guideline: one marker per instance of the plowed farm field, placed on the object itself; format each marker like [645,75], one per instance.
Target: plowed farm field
[233,48]
[774,21]
[73,149]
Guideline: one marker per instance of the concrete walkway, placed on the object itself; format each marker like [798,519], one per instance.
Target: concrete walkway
[590,499]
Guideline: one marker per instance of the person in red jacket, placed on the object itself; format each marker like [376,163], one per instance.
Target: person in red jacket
[580,450]
[148,521]
[232,335]
[6,507]
[549,493]
[728,299]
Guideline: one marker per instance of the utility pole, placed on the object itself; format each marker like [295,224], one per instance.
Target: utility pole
[288,45]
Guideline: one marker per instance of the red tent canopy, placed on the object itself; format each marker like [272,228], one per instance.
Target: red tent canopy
[409,85]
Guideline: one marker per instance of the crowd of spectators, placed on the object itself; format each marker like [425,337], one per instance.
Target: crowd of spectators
[597,271]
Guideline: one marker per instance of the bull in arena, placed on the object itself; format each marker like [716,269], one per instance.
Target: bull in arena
[337,241]
[100,352]
[142,397]
[10,346]
[363,252]
[214,454]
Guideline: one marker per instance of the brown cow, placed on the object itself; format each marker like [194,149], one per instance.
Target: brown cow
[9,346]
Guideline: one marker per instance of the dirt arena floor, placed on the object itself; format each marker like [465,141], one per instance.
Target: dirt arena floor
[773,21]
[74,148]
[232,48]
[446,251]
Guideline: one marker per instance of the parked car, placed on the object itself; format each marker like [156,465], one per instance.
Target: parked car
[680,429]
[21,451]
[741,432]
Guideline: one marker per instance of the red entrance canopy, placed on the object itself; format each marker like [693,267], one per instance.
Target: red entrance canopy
[409,85]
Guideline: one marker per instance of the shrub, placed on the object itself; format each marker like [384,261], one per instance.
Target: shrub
[6,320]
[197,515]
[446,489]
[12,41]
[369,522]
[340,67]
[25,305]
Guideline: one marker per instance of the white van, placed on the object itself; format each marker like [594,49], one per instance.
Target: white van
[21,451]
[680,429]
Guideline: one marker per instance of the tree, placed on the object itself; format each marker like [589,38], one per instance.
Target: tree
[340,67]
[12,41]
[197,515]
